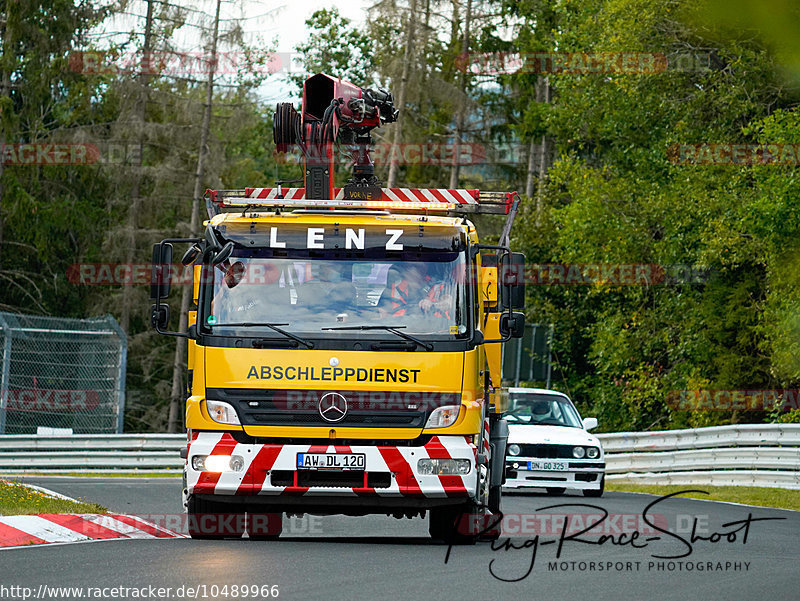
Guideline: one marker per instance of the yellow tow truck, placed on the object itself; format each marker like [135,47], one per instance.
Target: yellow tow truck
[345,343]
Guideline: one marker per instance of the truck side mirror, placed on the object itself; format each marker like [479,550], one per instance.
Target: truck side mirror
[512,283]
[190,255]
[159,316]
[223,255]
[512,325]
[161,271]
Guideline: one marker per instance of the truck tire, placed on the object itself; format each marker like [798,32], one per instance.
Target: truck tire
[451,524]
[495,494]
[596,493]
[262,525]
[211,520]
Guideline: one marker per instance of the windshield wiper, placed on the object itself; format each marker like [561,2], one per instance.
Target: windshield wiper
[392,329]
[272,326]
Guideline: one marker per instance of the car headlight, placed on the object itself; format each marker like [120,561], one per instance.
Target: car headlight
[578,452]
[593,452]
[444,416]
[222,413]
[443,467]
[513,449]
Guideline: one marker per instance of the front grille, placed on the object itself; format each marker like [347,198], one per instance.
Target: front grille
[546,451]
[383,419]
[331,478]
[366,409]
[244,438]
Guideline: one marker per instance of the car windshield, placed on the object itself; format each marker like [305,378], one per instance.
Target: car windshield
[542,410]
[315,295]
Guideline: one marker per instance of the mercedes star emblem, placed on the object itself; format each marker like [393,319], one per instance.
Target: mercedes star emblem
[333,407]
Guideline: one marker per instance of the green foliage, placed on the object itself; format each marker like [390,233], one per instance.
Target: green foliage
[615,197]
[335,47]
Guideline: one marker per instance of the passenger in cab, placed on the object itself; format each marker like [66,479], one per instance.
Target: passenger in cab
[410,290]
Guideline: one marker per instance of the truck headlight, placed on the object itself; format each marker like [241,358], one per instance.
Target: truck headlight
[593,452]
[441,417]
[443,467]
[222,413]
[513,449]
[218,463]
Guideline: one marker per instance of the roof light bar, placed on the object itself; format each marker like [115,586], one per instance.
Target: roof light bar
[392,199]
[363,204]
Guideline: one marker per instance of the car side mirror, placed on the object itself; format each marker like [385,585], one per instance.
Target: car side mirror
[512,325]
[589,423]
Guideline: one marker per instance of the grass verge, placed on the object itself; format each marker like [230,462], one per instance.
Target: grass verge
[18,499]
[749,495]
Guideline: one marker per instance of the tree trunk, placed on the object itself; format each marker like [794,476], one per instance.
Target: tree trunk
[136,202]
[408,57]
[176,397]
[462,105]
[543,159]
[5,92]
[531,168]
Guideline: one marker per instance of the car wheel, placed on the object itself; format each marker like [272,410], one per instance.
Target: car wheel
[556,492]
[598,492]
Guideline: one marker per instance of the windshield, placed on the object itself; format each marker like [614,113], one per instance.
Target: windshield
[425,297]
[542,410]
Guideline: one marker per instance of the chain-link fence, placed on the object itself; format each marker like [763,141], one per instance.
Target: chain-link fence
[61,373]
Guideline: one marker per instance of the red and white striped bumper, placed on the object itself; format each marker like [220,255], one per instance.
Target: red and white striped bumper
[397,465]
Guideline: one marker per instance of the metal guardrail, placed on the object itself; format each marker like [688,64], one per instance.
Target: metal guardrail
[92,453]
[701,438]
[741,455]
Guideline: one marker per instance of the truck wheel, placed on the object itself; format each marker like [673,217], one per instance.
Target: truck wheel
[452,524]
[556,492]
[596,493]
[210,520]
[495,495]
[264,526]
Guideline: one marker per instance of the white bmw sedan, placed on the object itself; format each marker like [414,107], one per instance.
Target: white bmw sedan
[549,446]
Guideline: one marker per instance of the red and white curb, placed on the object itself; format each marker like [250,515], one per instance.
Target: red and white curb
[24,530]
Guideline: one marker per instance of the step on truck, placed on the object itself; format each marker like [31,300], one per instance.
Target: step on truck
[345,343]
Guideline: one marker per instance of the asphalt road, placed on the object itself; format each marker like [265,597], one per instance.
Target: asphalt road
[375,557]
